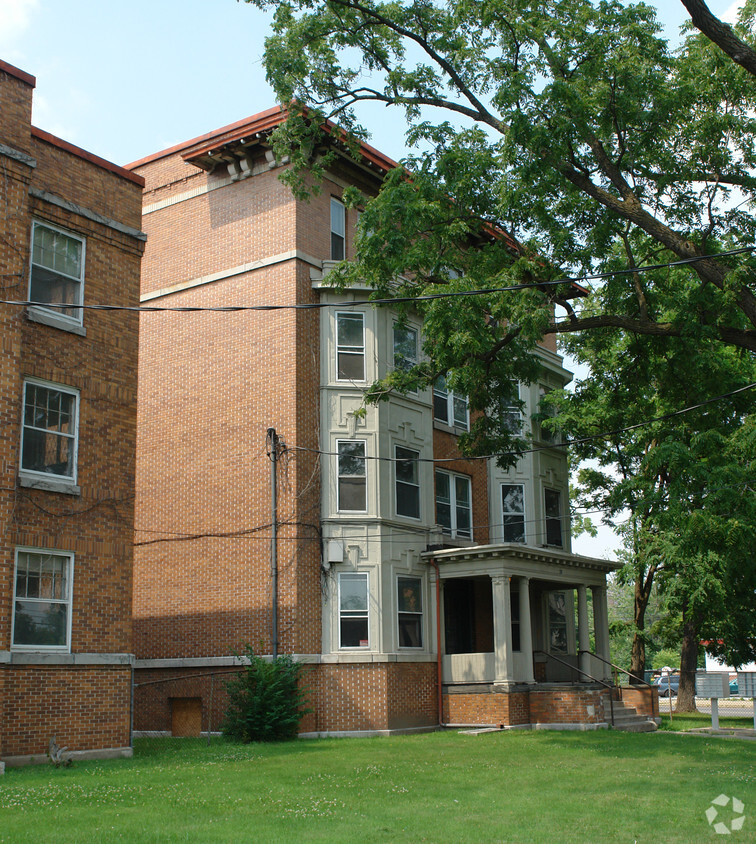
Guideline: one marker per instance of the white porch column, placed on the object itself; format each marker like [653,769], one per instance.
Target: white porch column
[601,626]
[502,619]
[584,641]
[526,630]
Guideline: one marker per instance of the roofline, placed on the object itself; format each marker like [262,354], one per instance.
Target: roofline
[261,122]
[41,135]
[18,73]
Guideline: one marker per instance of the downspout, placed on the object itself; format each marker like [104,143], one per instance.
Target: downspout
[438,645]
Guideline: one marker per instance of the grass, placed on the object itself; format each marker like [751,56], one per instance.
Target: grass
[692,720]
[439,787]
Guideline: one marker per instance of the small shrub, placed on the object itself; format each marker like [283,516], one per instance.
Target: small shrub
[266,702]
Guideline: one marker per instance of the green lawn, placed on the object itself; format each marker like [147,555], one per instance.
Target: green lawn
[443,787]
[683,721]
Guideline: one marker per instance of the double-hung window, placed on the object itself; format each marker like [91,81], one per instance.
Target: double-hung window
[557,603]
[513,512]
[448,407]
[350,346]
[42,599]
[353,610]
[56,279]
[407,482]
[453,504]
[49,431]
[338,229]
[405,347]
[352,476]
[553,509]
[410,606]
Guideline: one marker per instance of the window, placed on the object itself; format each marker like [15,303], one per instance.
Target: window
[49,433]
[338,229]
[449,408]
[557,623]
[553,509]
[405,347]
[57,271]
[352,477]
[513,512]
[453,504]
[407,483]
[350,347]
[410,605]
[42,599]
[511,415]
[548,434]
[353,611]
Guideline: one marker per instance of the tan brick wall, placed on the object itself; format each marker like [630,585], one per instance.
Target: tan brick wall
[82,707]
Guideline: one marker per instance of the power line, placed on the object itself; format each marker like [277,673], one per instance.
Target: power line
[395,300]
[565,444]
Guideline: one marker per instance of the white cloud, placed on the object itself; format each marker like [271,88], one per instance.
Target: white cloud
[730,14]
[15,17]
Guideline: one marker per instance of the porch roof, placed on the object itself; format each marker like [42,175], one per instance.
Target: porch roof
[519,557]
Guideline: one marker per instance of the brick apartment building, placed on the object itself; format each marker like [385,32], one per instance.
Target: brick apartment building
[70,235]
[360,501]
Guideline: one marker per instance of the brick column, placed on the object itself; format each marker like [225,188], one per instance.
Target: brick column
[502,617]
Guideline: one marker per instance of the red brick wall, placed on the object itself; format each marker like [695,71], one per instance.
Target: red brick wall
[97,524]
[547,706]
[83,707]
[644,699]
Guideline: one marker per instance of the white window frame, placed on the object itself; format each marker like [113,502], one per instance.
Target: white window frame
[551,519]
[355,614]
[67,601]
[54,315]
[415,615]
[339,475]
[338,228]
[450,399]
[354,351]
[453,529]
[415,485]
[74,437]
[505,513]
[513,412]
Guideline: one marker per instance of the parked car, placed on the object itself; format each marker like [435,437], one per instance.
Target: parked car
[668,685]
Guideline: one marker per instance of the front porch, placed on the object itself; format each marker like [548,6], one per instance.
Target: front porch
[523,637]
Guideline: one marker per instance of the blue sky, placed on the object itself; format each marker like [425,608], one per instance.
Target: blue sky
[126,78]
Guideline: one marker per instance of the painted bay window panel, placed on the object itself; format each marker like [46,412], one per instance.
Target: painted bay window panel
[513,512]
[514,610]
[350,346]
[42,600]
[553,510]
[50,430]
[353,610]
[453,504]
[56,277]
[511,415]
[352,485]
[338,229]
[410,612]
[557,622]
[407,482]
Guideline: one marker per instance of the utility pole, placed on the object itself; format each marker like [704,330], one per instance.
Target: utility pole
[272,443]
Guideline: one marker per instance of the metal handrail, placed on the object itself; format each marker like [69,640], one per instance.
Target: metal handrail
[585,673]
[629,674]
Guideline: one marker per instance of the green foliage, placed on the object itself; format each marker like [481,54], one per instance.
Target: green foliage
[266,701]
[667,657]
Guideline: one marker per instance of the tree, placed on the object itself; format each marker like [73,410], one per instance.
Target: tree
[684,479]
[721,34]
[575,128]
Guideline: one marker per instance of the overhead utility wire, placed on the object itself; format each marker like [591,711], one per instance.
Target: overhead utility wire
[395,300]
[565,444]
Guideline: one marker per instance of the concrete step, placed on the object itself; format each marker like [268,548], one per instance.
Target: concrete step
[627,719]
